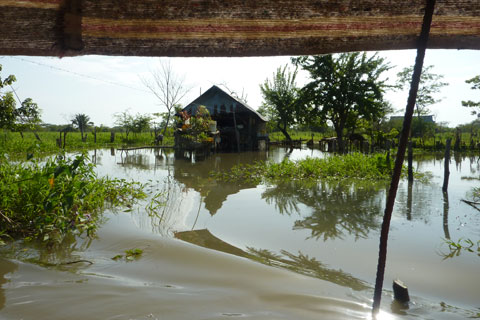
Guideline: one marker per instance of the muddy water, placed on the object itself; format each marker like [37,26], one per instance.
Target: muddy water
[225,250]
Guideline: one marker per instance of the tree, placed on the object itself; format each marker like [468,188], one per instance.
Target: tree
[11,117]
[136,124]
[475,81]
[344,89]
[430,84]
[167,87]
[140,123]
[81,121]
[281,99]
[124,120]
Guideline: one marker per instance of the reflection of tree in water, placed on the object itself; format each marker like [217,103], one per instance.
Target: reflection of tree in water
[336,207]
[300,263]
[305,265]
[63,255]
[5,268]
[166,207]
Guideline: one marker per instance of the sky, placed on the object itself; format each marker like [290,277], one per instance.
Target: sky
[101,86]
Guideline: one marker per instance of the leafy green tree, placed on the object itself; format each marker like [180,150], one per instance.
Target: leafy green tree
[281,99]
[475,81]
[124,120]
[11,117]
[430,84]
[140,123]
[344,89]
[81,121]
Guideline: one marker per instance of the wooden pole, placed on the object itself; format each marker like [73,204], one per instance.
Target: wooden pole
[407,122]
[236,130]
[446,232]
[446,173]
[410,161]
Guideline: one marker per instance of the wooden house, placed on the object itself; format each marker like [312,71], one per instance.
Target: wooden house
[240,127]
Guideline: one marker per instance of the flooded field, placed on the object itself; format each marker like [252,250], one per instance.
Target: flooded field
[218,250]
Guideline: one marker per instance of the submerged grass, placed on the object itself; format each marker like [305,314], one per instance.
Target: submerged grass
[48,200]
[335,167]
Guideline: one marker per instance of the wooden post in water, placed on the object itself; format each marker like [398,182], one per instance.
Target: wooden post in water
[410,161]
[446,232]
[446,173]
[407,122]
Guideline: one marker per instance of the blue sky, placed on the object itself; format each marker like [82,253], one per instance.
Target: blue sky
[100,86]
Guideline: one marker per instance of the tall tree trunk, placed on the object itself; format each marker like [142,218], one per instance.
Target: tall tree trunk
[284,131]
[166,124]
[339,131]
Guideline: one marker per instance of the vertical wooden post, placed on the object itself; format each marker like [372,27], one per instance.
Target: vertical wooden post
[446,173]
[446,232]
[407,122]
[64,139]
[237,137]
[95,135]
[410,161]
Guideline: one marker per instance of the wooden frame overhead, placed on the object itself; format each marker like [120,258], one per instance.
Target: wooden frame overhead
[229,27]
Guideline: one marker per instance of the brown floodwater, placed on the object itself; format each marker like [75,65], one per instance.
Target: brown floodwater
[223,250]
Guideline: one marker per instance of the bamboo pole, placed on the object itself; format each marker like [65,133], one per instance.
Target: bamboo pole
[407,122]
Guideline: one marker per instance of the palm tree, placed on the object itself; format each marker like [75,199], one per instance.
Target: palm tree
[81,121]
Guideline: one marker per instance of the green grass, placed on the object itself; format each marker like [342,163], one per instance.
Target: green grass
[13,143]
[296,135]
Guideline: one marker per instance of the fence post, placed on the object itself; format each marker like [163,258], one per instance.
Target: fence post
[446,173]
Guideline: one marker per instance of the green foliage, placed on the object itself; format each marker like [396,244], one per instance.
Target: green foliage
[130,255]
[197,127]
[11,117]
[353,165]
[430,84]
[281,100]
[81,121]
[475,81]
[462,245]
[48,200]
[12,143]
[344,89]
[132,123]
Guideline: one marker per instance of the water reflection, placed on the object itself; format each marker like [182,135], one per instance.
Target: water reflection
[5,268]
[299,263]
[336,208]
[214,193]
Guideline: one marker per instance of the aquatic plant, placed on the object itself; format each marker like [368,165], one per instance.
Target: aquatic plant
[462,245]
[48,200]
[353,165]
[130,255]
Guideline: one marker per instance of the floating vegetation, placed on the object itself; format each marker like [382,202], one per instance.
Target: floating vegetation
[462,245]
[130,255]
[46,201]
[348,166]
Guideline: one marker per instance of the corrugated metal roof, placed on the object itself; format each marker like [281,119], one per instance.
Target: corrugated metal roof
[215,89]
